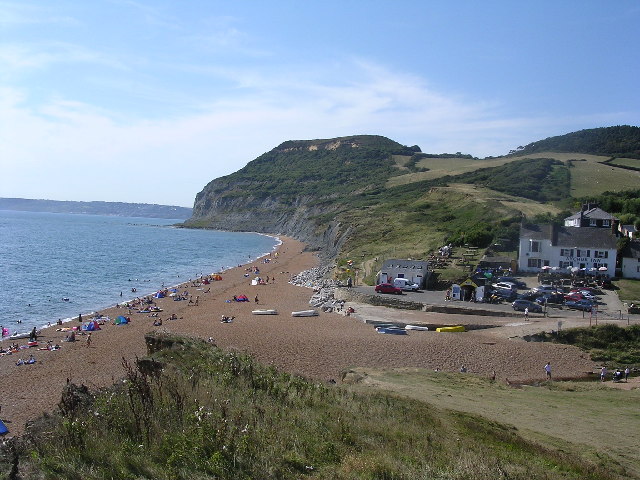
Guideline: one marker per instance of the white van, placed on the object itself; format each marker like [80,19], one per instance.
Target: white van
[405,284]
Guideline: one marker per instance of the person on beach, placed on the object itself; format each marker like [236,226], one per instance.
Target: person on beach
[33,336]
[89,340]
[526,313]
[256,299]
[547,369]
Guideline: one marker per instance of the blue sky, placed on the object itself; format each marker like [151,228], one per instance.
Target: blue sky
[148,101]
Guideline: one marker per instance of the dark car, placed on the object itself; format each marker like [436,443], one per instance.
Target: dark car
[584,305]
[388,288]
[515,281]
[522,304]
[508,295]
[551,299]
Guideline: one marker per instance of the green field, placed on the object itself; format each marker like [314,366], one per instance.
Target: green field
[626,162]
[588,175]
[597,422]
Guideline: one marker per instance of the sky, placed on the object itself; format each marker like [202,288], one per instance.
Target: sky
[148,101]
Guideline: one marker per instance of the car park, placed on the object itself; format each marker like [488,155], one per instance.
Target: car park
[522,304]
[388,288]
[584,305]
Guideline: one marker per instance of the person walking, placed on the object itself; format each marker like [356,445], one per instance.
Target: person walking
[626,373]
[89,340]
[603,373]
[526,313]
[256,299]
[547,369]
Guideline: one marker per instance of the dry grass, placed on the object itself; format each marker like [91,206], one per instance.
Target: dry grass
[586,418]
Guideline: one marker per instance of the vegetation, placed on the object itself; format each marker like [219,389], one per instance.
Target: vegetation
[388,200]
[618,346]
[195,412]
[619,141]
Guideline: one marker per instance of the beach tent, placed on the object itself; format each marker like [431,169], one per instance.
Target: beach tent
[3,428]
[120,320]
[90,326]
[159,295]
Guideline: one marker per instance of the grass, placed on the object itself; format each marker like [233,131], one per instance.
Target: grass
[628,290]
[586,419]
[211,414]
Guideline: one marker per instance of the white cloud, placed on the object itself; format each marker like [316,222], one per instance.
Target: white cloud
[65,149]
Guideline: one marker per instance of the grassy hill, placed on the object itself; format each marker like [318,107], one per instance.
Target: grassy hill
[370,198]
[193,411]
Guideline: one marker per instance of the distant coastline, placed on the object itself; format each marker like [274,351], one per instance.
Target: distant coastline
[120,209]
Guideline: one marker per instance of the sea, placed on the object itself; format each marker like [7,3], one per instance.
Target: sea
[55,266]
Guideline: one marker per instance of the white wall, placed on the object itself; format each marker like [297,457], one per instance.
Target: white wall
[630,267]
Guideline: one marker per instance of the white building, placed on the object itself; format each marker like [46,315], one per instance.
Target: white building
[631,261]
[413,270]
[550,245]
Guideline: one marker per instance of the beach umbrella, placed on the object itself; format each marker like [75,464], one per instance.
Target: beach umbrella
[546,267]
[575,269]
[603,269]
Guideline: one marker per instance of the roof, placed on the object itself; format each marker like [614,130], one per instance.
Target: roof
[629,228]
[594,213]
[633,250]
[587,237]
[398,263]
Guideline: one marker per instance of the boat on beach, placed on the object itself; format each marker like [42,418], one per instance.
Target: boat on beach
[416,327]
[265,312]
[391,330]
[305,313]
[20,335]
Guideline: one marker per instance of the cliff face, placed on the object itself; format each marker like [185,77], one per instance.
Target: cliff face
[299,189]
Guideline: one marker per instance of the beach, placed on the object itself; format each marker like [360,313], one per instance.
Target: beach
[321,348]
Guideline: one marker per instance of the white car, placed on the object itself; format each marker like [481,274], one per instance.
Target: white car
[406,284]
[504,286]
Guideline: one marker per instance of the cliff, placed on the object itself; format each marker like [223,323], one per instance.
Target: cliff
[297,189]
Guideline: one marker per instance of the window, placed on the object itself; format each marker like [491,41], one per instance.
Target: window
[592,222]
[566,252]
[583,253]
[606,223]
[534,263]
[565,264]
[534,246]
[600,254]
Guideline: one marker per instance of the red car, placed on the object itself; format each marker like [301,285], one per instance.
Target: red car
[388,288]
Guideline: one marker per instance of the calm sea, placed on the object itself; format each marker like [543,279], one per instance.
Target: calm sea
[47,258]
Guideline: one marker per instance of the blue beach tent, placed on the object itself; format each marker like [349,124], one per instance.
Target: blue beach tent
[3,428]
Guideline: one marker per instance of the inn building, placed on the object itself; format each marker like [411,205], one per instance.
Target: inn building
[588,248]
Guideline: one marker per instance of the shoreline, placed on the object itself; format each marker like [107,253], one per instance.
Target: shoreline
[28,391]
[87,315]
[322,348]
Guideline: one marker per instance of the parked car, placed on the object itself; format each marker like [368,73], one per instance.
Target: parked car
[584,305]
[388,288]
[504,286]
[545,289]
[551,299]
[505,294]
[515,281]
[405,284]
[522,304]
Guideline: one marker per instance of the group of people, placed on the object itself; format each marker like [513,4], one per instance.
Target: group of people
[618,375]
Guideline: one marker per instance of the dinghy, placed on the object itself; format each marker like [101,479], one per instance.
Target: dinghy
[265,312]
[416,327]
[391,330]
[305,313]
